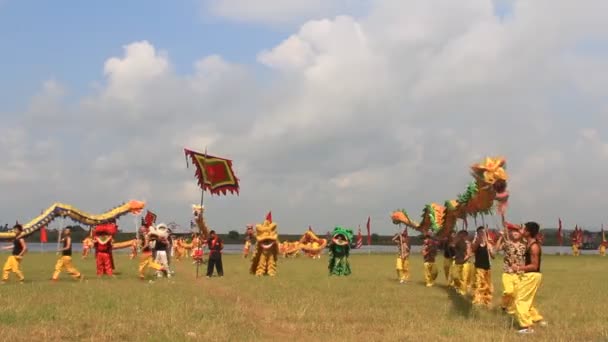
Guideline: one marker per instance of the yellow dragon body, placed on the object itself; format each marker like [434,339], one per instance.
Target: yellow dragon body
[489,185]
[66,210]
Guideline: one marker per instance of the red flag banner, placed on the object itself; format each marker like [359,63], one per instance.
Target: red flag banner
[359,239]
[213,173]
[150,218]
[269,216]
[43,235]
[369,232]
[559,233]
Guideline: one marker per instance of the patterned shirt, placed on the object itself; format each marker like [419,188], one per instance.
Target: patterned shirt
[514,255]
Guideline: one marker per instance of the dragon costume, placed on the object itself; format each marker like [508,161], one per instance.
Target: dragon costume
[264,261]
[66,210]
[490,185]
[339,250]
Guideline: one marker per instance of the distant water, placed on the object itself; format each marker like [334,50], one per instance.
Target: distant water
[237,249]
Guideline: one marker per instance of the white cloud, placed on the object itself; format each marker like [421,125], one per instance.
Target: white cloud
[361,114]
[282,12]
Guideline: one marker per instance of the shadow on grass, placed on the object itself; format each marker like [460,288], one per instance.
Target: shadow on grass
[461,305]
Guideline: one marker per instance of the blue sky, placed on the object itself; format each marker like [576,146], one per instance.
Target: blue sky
[42,40]
[332,110]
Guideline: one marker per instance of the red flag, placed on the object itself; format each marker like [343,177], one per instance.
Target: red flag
[43,236]
[150,218]
[359,239]
[559,233]
[369,234]
[213,173]
[269,216]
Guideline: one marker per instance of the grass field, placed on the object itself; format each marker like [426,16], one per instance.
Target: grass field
[301,304]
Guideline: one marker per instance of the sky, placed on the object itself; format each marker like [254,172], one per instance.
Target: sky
[332,110]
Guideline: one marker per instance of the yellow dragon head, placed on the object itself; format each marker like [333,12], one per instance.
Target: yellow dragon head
[135,207]
[266,234]
[492,172]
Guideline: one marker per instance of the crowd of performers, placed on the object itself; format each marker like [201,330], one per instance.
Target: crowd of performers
[466,259]
[467,267]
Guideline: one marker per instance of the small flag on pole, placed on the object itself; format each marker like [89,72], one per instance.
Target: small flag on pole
[369,234]
[43,235]
[559,233]
[269,216]
[359,239]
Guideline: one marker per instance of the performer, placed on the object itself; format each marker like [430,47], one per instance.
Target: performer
[65,261]
[87,244]
[448,259]
[133,253]
[249,235]
[403,255]
[216,245]
[530,279]
[429,252]
[339,250]
[462,249]
[482,248]
[161,246]
[514,250]
[13,263]
[103,249]
[602,248]
[147,260]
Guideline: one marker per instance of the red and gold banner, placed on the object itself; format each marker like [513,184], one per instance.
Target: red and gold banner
[213,173]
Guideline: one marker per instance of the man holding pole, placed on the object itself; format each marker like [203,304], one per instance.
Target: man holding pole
[65,260]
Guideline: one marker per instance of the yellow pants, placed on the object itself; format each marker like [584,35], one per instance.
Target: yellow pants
[483,287]
[447,270]
[65,263]
[458,279]
[469,273]
[603,250]
[148,261]
[509,282]
[525,291]
[13,264]
[403,269]
[430,273]
[575,250]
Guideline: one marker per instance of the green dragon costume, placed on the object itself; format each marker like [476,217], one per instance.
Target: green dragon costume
[339,249]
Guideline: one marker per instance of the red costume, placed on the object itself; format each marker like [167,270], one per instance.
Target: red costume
[103,248]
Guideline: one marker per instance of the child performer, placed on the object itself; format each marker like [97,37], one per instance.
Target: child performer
[403,263]
[429,252]
[87,243]
[65,261]
[13,263]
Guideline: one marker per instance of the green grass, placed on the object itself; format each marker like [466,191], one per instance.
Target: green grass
[301,304]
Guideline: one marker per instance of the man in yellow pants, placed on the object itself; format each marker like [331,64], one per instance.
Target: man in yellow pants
[462,256]
[65,261]
[514,250]
[448,260]
[13,263]
[403,263]
[429,252]
[529,282]
[147,260]
[483,250]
